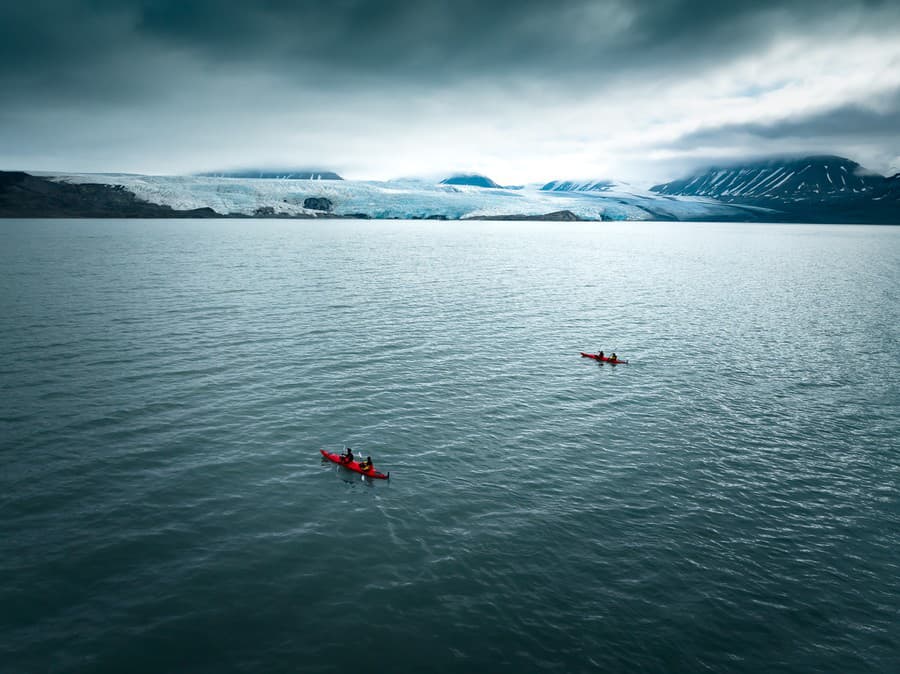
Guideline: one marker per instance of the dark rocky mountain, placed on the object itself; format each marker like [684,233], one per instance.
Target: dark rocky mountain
[26,196]
[808,178]
[810,189]
[274,174]
[579,186]
[472,179]
[888,190]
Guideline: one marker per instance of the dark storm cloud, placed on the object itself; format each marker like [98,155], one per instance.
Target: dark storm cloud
[834,128]
[406,36]
[172,84]
[72,43]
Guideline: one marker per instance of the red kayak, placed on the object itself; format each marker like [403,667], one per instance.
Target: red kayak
[354,466]
[605,359]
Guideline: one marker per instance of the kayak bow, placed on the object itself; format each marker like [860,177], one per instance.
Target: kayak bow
[354,466]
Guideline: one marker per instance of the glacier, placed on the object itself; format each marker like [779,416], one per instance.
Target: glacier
[411,198]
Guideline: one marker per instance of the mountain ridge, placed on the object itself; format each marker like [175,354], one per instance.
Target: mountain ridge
[603,185]
[817,189]
[776,178]
[273,174]
[471,180]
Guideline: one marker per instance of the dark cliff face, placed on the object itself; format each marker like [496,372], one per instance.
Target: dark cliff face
[472,179]
[318,203]
[25,196]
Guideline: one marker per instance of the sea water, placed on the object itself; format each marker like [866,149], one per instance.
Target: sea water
[729,501]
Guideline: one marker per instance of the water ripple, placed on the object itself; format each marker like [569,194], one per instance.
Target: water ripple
[726,502]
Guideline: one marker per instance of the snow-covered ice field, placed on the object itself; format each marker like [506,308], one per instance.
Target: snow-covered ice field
[404,198]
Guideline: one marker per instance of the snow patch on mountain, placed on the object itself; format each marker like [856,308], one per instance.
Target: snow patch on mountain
[580,185]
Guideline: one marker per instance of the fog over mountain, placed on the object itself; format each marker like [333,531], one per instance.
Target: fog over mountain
[519,91]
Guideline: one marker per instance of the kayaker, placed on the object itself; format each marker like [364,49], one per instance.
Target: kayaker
[613,358]
[600,356]
[348,457]
[367,464]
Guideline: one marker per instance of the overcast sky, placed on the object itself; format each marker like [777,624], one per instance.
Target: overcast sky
[523,91]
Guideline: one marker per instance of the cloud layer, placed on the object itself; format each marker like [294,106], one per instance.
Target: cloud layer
[526,90]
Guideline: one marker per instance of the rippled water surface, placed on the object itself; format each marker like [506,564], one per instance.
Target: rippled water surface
[728,501]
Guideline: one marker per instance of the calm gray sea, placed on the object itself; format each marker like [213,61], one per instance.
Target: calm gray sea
[727,502]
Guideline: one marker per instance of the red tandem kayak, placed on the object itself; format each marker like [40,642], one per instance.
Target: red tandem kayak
[605,359]
[354,466]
